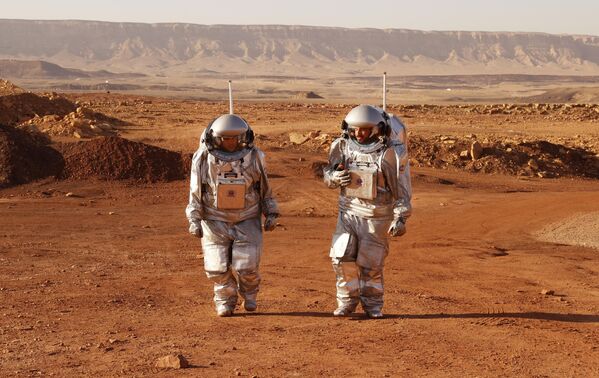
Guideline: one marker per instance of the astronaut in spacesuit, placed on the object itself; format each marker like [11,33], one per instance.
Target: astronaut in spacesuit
[229,193]
[369,163]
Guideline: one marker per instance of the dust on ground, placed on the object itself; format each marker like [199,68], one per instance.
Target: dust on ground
[99,276]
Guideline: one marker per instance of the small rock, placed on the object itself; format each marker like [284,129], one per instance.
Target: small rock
[313,134]
[297,138]
[547,292]
[111,213]
[546,174]
[476,150]
[173,361]
[71,194]
[464,154]
[533,164]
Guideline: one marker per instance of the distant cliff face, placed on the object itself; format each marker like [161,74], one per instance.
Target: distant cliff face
[187,49]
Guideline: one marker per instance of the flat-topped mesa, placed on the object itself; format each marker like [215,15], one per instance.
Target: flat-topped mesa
[127,47]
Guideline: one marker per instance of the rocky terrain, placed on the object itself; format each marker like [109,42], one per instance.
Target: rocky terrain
[497,275]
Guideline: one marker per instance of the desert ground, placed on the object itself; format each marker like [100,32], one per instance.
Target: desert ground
[497,276]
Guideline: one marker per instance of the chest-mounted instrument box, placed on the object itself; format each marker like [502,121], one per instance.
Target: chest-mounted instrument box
[363,181]
[230,191]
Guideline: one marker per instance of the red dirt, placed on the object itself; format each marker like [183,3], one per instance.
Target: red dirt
[85,293]
[114,158]
[23,158]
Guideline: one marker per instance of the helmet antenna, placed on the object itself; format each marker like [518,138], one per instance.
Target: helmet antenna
[384,91]
[230,98]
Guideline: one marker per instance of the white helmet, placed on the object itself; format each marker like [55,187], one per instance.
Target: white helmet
[366,116]
[227,126]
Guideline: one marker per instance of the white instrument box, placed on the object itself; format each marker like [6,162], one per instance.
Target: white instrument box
[230,192]
[363,181]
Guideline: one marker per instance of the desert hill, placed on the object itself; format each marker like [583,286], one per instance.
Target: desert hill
[189,50]
[40,69]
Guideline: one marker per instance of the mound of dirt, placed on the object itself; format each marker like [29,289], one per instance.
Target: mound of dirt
[8,88]
[21,107]
[311,94]
[23,158]
[547,111]
[81,123]
[567,95]
[114,158]
[511,157]
[491,156]
[51,114]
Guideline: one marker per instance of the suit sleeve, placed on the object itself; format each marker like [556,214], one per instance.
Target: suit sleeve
[268,202]
[396,168]
[194,207]
[335,158]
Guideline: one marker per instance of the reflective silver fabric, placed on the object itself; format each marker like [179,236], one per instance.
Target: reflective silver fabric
[232,238]
[232,250]
[399,140]
[205,168]
[393,190]
[358,252]
[360,242]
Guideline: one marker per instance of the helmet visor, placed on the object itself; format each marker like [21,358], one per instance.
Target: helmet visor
[363,135]
[228,143]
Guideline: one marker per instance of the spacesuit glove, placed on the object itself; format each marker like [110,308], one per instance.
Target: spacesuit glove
[341,178]
[270,222]
[195,228]
[398,227]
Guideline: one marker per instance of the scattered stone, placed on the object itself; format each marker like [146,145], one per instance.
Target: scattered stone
[297,138]
[546,174]
[533,164]
[476,150]
[111,213]
[172,361]
[313,134]
[547,292]
[464,154]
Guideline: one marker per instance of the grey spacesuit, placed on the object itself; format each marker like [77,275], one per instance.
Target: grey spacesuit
[370,165]
[229,192]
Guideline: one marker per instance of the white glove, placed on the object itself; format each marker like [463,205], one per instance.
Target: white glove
[195,228]
[398,227]
[270,222]
[341,178]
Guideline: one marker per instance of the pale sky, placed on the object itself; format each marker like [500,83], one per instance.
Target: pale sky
[550,16]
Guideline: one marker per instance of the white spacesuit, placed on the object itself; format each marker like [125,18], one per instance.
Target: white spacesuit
[229,192]
[370,165]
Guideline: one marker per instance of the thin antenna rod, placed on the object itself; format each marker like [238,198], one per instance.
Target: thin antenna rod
[384,91]
[230,99]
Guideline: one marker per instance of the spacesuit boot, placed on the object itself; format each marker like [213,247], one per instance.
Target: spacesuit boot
[249,282]
[371,292]
[225,292]
[348,289]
